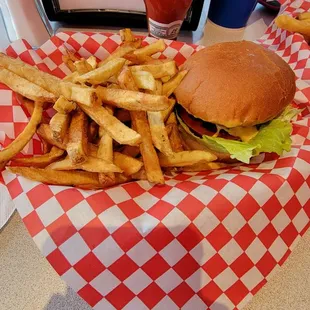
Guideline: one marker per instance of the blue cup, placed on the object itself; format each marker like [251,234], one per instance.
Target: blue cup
[231,13]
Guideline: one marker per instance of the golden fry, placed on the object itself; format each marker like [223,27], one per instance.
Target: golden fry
[166,113]
[92,61]
[83,179]
[291,24]
[126,35]
[165,79]
[175,139]
[82,66]
[128,164]
[137,59]
[151,49]
[59,125]
[303,16]
[45,132]
[69,62]
[144,80]
[71,77]
[64,106]
[172,84]
[118,53]
[158,70]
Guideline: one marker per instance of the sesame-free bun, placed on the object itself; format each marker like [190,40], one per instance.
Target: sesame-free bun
[236,84]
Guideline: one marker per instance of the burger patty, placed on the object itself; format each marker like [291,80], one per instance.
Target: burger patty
[200,127]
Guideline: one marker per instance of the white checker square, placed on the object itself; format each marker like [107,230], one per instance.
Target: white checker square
[50,64]
[174,196]
[118,194]
[206,221]
[300,220]
[233,193]
[19,115]
[166,304]
[135,304]
[230,251]
[102,53]
[99,38]
[170,52]
[80,37]
[145,223]
[278,249]
[73,279]
[176,221]
[259,221]
[303,193]
[261,193]
[23,205]
[8,176]
[204,193]
[173,252]
[50,211]
[63,36]
[202,252]
[256,250]
[74,249]
[302,167]
[18,46]
[186,51]
[169,281]
[198,280]
[48,47]
[84,52]
[146,200]
[284,193]
[138,281]
[223,302]
[103,304]
[146,185]
[195,303]
[234,221]
[252,278]
[6,97]
[7,129]
[27,184]
[226,176]
[112,218]
[108,251]
[105,282]
[44,242]
[116,38]
[225,279]
[57,189]
[252,174]
[64,69]
[280,221]
[81,214]
[141,252]
[245,301]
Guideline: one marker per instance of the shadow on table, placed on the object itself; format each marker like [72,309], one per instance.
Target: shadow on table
[127,244]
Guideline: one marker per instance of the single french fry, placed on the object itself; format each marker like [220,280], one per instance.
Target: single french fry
[126,35]
[82,66]
[128,164]
[92,61]
[103,73]
[166,113]
[132,100]
[137,59]
[158,70]
[81,179]
[151,49]
[40,161]
[71,77]
[118,53]
[132,151]
[45,132]
[69,62]
[165,79]
[303,16]
[64,106]
[175,139]
[144,80]
[59,125]
[24,87]
[172,84]
[291,24]
[25,136]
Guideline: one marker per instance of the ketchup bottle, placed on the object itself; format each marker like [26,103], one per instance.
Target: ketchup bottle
[165,17]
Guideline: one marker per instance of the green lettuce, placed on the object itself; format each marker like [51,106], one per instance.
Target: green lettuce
[272,137]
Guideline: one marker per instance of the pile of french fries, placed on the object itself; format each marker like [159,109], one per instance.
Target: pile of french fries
[113,121]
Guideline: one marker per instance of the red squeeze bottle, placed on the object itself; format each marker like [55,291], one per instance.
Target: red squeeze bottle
[165,17]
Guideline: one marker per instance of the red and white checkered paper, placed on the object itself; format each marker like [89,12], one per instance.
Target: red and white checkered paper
[206,240]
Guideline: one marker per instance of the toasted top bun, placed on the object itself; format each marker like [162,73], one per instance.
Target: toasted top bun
[236,84]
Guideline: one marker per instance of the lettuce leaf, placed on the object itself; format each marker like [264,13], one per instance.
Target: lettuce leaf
[272,137]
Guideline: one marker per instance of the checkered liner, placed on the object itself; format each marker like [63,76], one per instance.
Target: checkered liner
[204,240]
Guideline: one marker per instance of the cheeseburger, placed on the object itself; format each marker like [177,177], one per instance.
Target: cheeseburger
[236,100]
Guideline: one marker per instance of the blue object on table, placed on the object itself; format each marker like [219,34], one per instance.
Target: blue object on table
[231,13]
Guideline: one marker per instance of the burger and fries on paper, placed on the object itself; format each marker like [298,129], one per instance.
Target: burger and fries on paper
[133,117]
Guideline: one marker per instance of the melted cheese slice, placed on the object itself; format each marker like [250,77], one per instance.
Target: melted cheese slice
[244,133]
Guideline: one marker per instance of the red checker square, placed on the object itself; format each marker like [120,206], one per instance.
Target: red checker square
[41,53]
[182,177]
[214,266]
[219,237]
[76,46]
[152,295]
[89,267]
[181,294]
[159,237]
[155,267]
[131,209]
[14,188]
[160,191]
[6,114]
[133,189]
[37,147]
[268,235]
[191,207]
[33,223]
[285,162]
[127,236]
[186,186]
[220,206]
[241,265]
[287,52]
[190,237]
[57,41]
[274,182]
[272,207]
[216,184]
[244,182]
[100,202]
[303,154]
[266,264]
[90,295]
[61,229]
[43,67]
[210,293]
[26,57]
[58,262]
[56,57]
[292,207]
[186,266]
[59,73]
[301,65]
[237,292]
[11,52]
[248,207]
[110,45]
[93,233]
[306,74]
[160,209]
[245,236]
[120,296]
[91,45]
[123,267]
[285,257]
[258,286]
[179,59]
[293,58]
[176,45]
[307,208]
[69,198]
[19,127]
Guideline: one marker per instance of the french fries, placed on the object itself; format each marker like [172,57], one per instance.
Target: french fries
[82,66]
[92,61]
[23,138]
[151,49]
[44,131]
[304,16]
[291,24]
[172,84]
[64,106]
[144,80]
[126,163]
[59,125]
[203,166]
[158,70]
